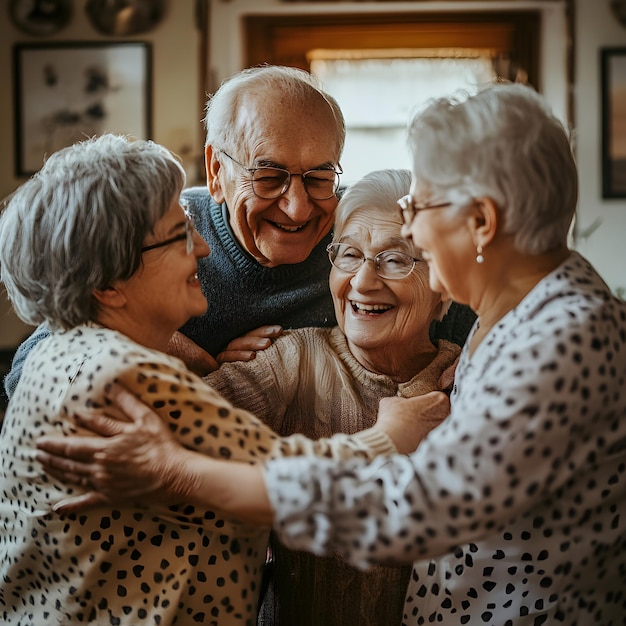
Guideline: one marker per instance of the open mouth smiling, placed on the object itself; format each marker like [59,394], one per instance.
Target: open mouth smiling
[288,229]
[369,309]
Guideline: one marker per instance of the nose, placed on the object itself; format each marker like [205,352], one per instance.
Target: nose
[200,247]
[295,202]
[366,278]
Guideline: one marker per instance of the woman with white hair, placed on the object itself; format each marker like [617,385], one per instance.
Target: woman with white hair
[514,509]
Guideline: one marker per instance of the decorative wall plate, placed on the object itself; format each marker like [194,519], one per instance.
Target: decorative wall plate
[40,17]
[125,17]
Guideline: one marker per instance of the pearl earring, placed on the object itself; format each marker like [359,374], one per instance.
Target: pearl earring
[479,255]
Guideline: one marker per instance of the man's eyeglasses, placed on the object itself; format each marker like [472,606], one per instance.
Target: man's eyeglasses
[187,236]
[272,182]
[390,264]
[410,208]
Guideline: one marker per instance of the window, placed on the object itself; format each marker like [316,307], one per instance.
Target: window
[378,96]
[381,67]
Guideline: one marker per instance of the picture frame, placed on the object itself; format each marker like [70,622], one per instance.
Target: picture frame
[67,92]
[613,93]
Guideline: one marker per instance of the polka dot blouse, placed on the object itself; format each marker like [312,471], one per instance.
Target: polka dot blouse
[514,509]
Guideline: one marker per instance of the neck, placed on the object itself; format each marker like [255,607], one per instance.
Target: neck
[400,363]
[154,338]
[508,280]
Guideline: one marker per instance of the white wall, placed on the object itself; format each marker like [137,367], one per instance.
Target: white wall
[606,247]
[176,112]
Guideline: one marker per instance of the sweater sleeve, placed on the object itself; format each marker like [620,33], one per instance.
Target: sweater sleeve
[13,377]
[222,423]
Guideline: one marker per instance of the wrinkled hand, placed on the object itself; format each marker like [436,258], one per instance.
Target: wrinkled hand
[244,348]
[408,420]
[199,361]
[128,460]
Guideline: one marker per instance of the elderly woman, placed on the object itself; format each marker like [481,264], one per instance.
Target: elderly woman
[320,381]
[97,245]
[514,509]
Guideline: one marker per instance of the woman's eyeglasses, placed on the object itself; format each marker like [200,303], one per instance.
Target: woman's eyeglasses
[390,264]
[410,208]
[272,182]
[187,236]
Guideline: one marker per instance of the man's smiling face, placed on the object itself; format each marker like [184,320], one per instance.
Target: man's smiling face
[297,137]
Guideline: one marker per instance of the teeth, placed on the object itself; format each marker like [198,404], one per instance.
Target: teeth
[370,308]
[289,229]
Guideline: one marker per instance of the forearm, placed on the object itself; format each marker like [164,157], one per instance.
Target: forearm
[235,488]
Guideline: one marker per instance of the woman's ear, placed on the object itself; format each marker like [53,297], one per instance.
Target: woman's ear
[110,297]
[483,221]
[213,167]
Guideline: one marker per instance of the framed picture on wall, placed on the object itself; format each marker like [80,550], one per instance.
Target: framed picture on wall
[66,92]
[613,78]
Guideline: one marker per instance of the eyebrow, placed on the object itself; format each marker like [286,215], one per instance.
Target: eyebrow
[328,165]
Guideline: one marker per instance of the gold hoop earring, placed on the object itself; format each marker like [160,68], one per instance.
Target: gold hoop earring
[479,255]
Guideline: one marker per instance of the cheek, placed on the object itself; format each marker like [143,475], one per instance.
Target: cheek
[338,283]
[421,297]
[327,209]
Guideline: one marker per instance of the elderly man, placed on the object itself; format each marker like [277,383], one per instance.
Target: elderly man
[274,140]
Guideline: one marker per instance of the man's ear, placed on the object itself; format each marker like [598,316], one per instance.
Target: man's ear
[110,297]
[213,166]
[484,221]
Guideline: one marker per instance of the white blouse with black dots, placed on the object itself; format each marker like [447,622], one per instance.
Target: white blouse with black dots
[514,509]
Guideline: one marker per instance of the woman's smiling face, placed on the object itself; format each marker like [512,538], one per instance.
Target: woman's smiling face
[381,315]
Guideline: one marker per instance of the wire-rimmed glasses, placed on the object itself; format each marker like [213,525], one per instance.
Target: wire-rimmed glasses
[410,208]
[272,182]
[390,264]
[187,236]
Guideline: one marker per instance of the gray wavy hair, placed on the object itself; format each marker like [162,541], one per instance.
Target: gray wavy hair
[503,143]
[294,86]
[79,223]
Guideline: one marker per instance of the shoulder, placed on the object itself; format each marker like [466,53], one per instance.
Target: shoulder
[573,300]
[196,195]
[101,352]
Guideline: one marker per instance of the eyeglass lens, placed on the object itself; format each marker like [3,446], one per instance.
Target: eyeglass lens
[391,264]
[187,237]
[270,182]
[409,208]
